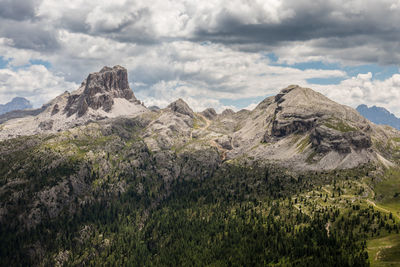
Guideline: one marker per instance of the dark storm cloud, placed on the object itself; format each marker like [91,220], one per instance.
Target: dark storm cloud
[29,35]
[331,24]
[17,9]
[133,27]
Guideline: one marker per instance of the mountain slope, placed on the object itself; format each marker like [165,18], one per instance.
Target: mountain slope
[300,180]
[104,94]
[379,115]
[17,103]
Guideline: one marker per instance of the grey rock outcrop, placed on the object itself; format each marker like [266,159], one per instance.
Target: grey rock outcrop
[100,89]
[180,106]
[46,125]
[228,112]
[301,110]
[209,113]
[325,139]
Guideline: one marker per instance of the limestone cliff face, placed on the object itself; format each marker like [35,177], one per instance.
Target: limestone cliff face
[332,126]
[103,94]
[100,89]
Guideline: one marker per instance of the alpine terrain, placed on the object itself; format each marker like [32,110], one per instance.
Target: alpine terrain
[96,178]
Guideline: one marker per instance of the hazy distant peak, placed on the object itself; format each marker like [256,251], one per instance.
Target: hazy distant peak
[379,115]
[17,103]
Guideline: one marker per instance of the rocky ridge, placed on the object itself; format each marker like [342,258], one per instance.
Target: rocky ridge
[104,94]
[298,127]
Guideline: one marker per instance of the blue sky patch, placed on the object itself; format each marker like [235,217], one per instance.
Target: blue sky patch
[378,72]
[325,81]
[40,62]
[3,62]
[243,102]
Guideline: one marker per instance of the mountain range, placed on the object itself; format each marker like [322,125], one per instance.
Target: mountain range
[95,177]
[17,103]
[379,115]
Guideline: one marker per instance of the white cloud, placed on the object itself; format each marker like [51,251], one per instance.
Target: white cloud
[204,51]
[36,83]
[362,89]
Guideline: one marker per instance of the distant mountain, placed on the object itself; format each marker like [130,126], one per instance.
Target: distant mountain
[379,115]
[17,103]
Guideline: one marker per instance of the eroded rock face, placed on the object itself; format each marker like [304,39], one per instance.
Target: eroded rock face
[180,106]
[46,125]
[209,113]
[325,139]
[228,112]
[100,88]
[303,111]
[292,125]
[225,142]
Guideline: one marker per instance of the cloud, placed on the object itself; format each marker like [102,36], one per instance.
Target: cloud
[361,89]
[36,83]
[30,35]
[211,71]
[203,51]
[18,9]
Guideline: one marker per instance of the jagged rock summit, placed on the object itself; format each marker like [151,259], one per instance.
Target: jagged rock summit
[99,91]
[181,107]
[103,94]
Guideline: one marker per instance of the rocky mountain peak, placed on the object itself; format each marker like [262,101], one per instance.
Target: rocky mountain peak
[180,106]
[99,90]
[209,113]
[17,103]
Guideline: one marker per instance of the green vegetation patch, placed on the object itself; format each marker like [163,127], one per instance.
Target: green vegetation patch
[384,251]
[198,122]
[302,145]
[340,126]
[388,191]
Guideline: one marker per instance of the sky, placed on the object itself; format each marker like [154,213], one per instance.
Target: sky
[217,53]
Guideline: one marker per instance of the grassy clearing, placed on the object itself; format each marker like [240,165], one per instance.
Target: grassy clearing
[384,251]
[388,192]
